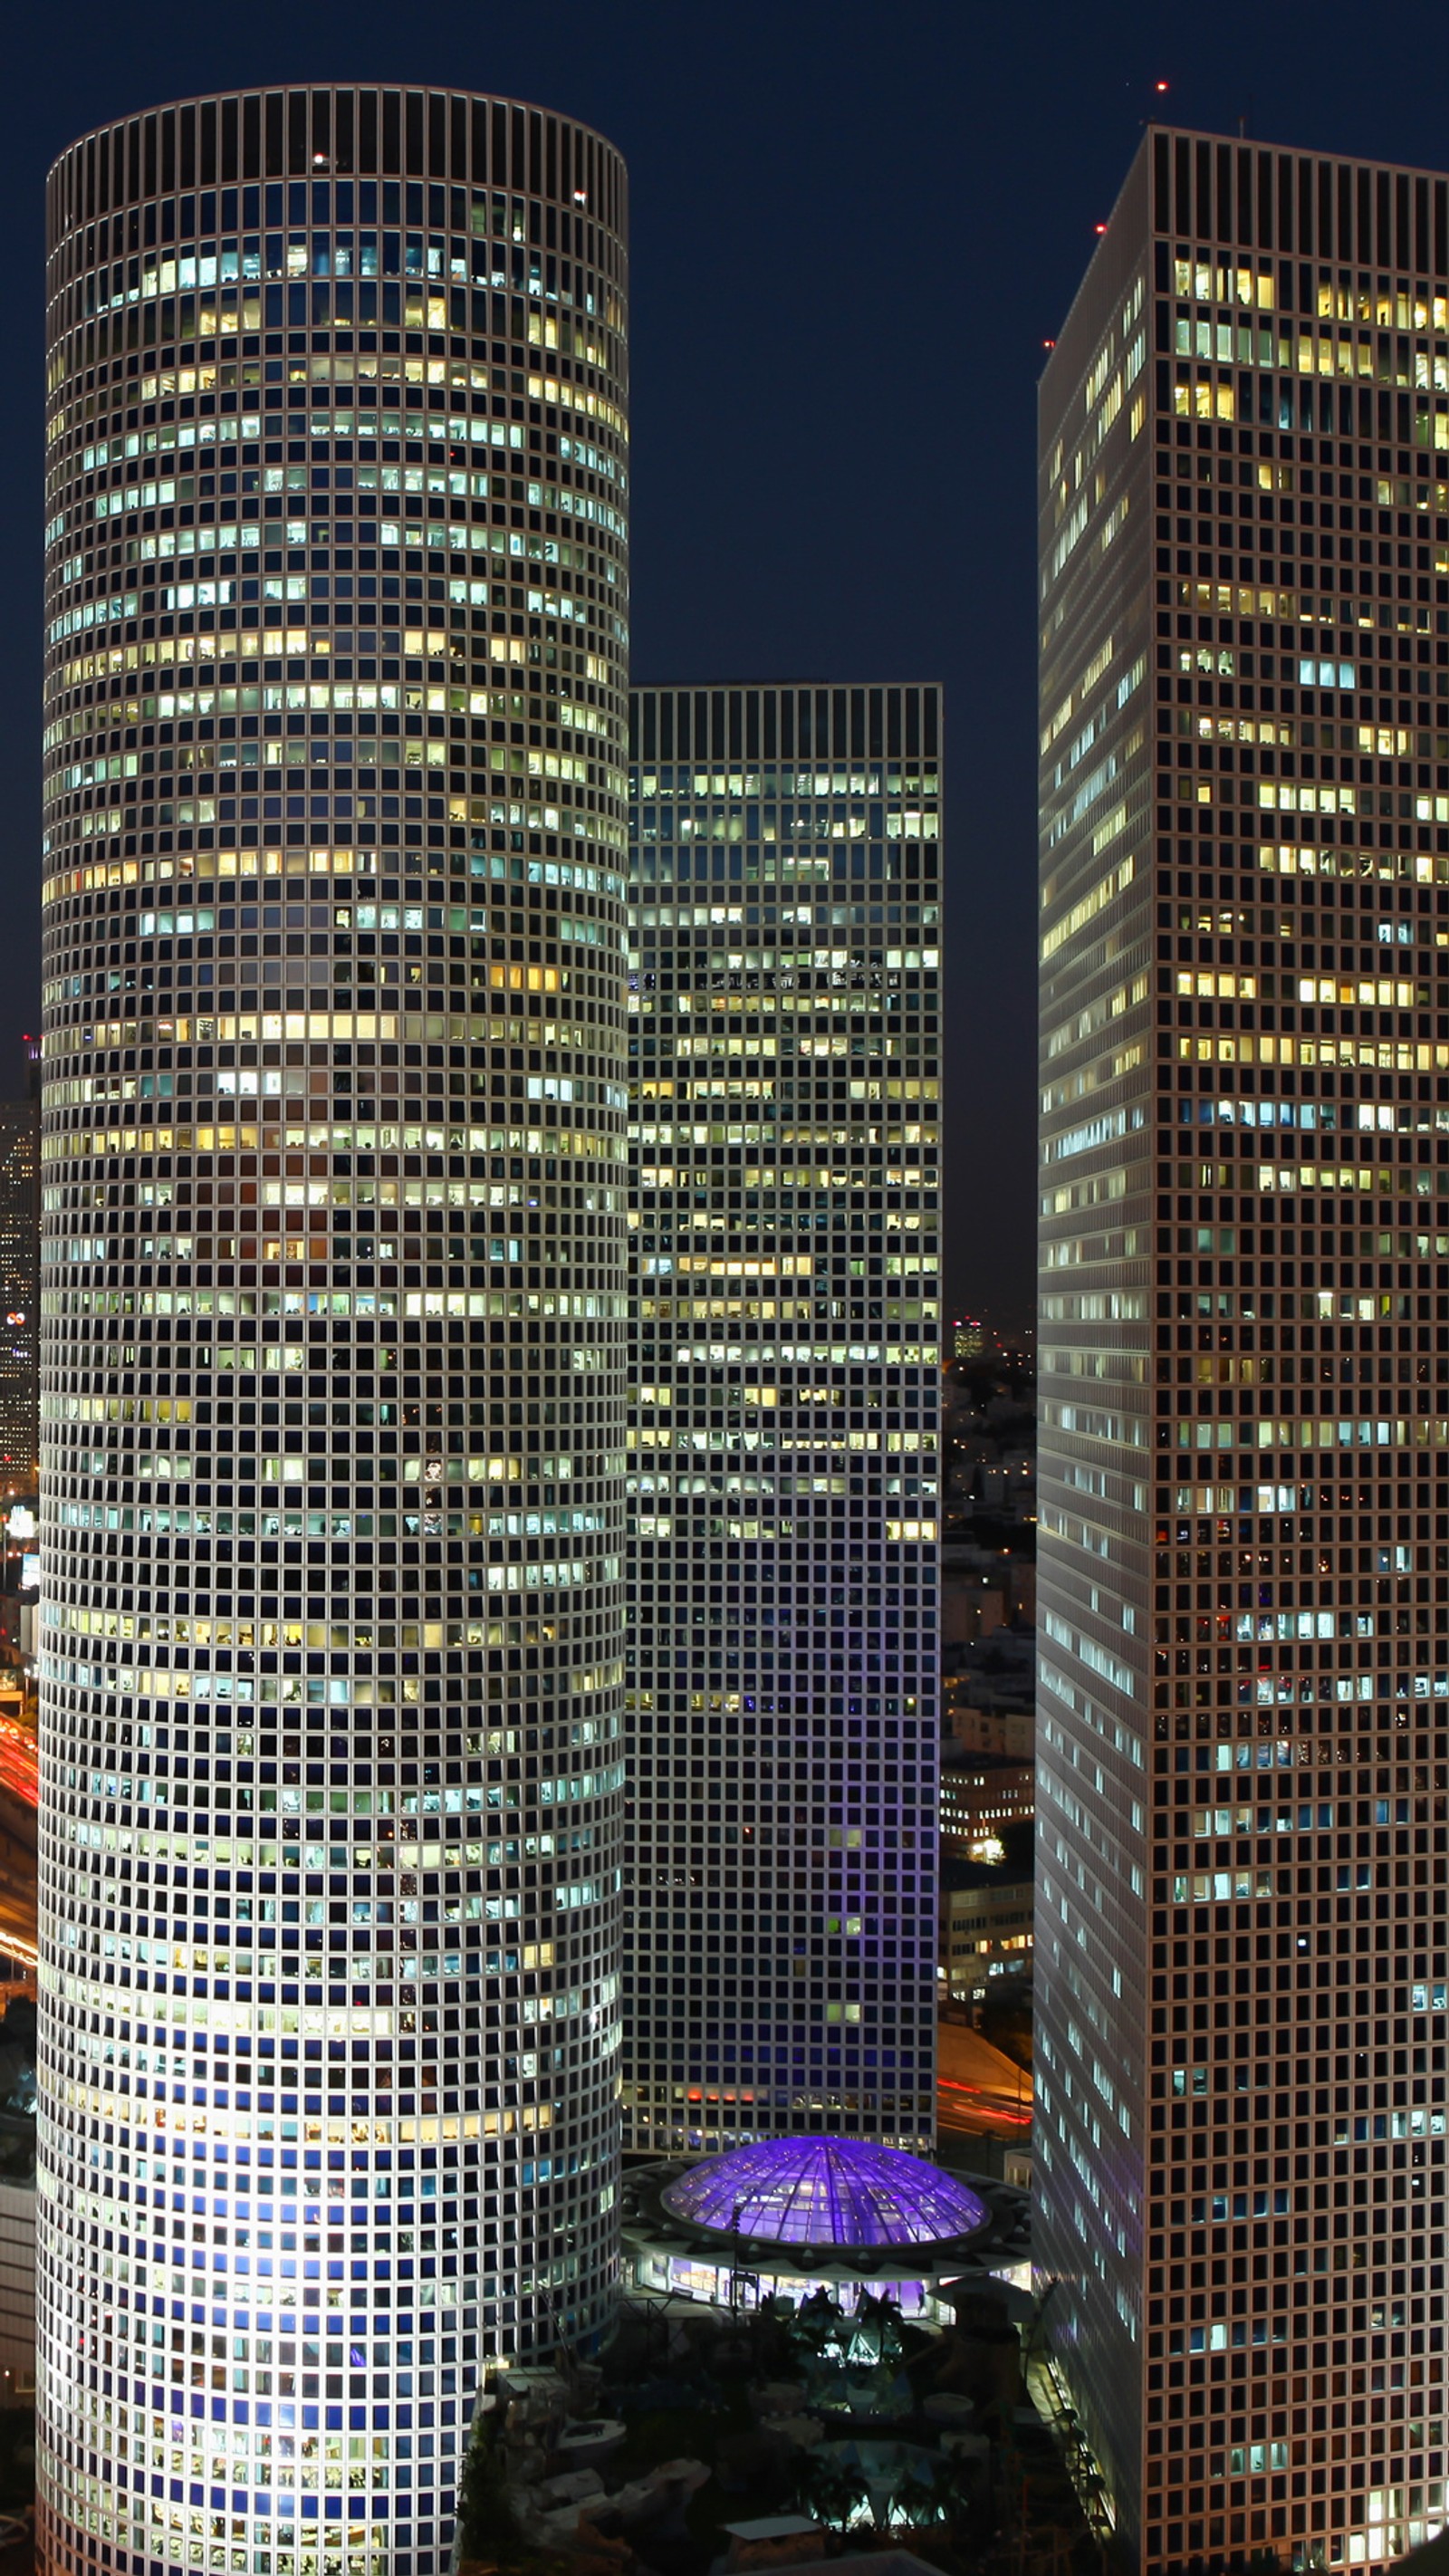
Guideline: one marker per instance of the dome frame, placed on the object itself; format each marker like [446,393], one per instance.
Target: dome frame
[826,2192]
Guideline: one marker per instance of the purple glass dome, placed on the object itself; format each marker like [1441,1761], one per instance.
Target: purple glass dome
[839,2192]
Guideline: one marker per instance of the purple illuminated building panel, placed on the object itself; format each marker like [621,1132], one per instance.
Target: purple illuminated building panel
[826,2191]
[782,1576]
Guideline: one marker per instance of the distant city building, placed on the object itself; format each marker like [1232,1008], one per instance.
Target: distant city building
[986,1924]
[981,1799]
[20,1549]
[986,1728]
[982,1589]
[17,2291]
[1243,1922]
[990,1442]
[20,1280]
[781,1864]
[967,1339]
[988,1692]
[17,2170]
[1007,1732]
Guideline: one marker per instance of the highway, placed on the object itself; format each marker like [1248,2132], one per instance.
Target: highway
[980,2093]
[19,1758]
[18,1857]
[17,1921]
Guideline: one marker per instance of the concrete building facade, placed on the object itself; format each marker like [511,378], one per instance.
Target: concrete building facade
[785,1181]
[20,1281]
[1241,1934]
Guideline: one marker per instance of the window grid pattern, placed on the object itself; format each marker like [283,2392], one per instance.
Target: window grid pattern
[19,1288]
[334,1312]
[1244,1660]
[781,1925]
[828,2192]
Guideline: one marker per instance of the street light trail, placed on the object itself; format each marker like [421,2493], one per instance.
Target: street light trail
[19,1760]
[20,1772]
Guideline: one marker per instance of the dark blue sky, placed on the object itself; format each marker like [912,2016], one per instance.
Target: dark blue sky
[853,227]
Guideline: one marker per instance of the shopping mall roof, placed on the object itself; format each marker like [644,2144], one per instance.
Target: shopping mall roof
[841,2192]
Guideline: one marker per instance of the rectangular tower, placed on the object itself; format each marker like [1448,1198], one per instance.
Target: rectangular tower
[1241,1941]
[781,1895]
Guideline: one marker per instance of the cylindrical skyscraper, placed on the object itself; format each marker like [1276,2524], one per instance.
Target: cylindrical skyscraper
[333,1313]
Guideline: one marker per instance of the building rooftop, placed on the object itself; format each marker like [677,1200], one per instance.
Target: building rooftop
[841,2192]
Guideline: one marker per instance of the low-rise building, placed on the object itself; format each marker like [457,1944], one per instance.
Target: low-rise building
[982,1798]
[983,1589]
[986,1926]
[1010,1732]
[988,1693]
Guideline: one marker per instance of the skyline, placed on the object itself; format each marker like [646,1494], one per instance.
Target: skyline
[763,520]
[445,686]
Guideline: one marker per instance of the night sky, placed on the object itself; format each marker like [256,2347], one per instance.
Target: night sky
[853,228]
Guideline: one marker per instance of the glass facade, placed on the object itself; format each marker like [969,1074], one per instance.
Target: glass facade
[1244,1616]
[20,1287]
[781,1930]
[334,1310]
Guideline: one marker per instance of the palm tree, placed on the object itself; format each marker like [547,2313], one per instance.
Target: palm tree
[487,2524]
[832,2490]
